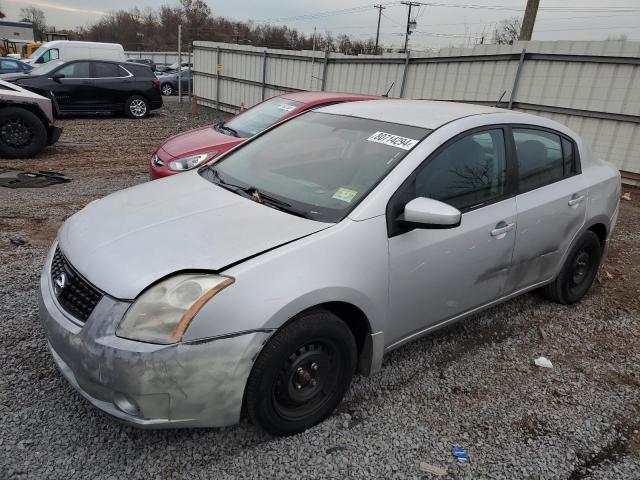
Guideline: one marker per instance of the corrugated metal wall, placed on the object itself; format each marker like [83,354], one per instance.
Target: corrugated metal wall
[593,87]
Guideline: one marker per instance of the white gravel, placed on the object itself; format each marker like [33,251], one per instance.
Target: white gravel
[473,384]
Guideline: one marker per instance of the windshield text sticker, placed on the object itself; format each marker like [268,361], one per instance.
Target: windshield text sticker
[287,108]
[393,140]
[345,194]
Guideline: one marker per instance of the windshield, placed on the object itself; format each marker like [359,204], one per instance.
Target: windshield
[317,165]
[36,53]
[46,68]
[262,116]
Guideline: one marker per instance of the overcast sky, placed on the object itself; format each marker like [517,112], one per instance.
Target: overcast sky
[439,24]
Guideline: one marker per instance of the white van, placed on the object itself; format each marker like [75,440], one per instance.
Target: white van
[71,50]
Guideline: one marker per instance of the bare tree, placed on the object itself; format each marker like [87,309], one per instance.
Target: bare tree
[36,17]
[507,31]
[623,37]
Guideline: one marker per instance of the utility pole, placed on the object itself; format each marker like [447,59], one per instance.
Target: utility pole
[180,63]
[529,19]
[380,8]
[409,23]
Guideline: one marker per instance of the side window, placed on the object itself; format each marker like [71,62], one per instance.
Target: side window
[569,158]
[106,70]
[540,157]
[51,54]
[76,70]
[9,65]
[469,172]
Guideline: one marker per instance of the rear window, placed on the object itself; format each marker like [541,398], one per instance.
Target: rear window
[139,70]
[262,116]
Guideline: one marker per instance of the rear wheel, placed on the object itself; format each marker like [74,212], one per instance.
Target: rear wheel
[302,374]
[136,106]
[167,89]
[578,272]
[22,133]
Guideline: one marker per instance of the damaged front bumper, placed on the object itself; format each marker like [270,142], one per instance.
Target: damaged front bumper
[197,384]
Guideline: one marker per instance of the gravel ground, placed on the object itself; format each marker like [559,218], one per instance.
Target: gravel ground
[473,384]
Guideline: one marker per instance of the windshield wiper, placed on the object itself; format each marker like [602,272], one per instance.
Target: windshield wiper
[258,196]
[222,126]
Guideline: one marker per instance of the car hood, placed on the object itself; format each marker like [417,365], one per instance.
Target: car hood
[199,140]
[134,237]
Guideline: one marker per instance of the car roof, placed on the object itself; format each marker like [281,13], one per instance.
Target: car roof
[308,97]
[429,114]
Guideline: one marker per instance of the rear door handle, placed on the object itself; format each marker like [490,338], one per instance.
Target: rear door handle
[575,200]
[502,228]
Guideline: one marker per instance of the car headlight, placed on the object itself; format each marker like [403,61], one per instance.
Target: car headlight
[163,313]
[192,161]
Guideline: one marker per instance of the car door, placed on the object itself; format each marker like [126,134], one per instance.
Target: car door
[551,203]
[112,83]
[438,274]
[74,91]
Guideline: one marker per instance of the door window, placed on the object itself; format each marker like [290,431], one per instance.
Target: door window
[469,172]
[540,158]
[51,54]
[106,70]
[75,70]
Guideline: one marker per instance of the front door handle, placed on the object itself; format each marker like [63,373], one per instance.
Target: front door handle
[575,200]
[502,228]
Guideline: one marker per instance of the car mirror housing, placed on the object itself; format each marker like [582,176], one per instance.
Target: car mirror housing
[425,212]
[57,76]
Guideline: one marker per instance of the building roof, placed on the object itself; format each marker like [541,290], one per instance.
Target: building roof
[418,113]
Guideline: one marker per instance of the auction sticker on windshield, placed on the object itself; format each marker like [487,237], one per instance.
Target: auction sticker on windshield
[287,108]
[393,140]
[345,194]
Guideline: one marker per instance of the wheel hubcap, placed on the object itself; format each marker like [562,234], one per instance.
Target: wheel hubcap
[304,381]
[16,133]
[167,90]
[138,108]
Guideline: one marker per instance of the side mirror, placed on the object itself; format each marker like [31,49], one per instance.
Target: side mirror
[57,76]
[425,212]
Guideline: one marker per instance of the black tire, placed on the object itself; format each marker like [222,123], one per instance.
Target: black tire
[578,272]
[22,133]
[136,106]
[302,374]
[166,89]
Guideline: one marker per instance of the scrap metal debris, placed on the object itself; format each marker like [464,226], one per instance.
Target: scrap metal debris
[20,179]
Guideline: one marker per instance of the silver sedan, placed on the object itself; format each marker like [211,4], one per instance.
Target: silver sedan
[268,277]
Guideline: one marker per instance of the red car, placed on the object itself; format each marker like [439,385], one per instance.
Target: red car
[188,150]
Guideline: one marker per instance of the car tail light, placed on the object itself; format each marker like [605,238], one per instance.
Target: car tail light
[156,82]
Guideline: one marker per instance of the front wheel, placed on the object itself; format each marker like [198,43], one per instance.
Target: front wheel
[578,272]
[22,133]
[302,374]
[136,106]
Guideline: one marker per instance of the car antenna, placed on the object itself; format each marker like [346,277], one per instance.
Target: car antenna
[500,99]
[387,94]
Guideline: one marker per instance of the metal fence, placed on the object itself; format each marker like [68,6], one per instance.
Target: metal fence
[592,87]
[159,57]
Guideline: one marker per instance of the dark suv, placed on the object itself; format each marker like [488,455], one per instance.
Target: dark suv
[87,86]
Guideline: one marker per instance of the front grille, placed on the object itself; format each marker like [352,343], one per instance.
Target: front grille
[74,293]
